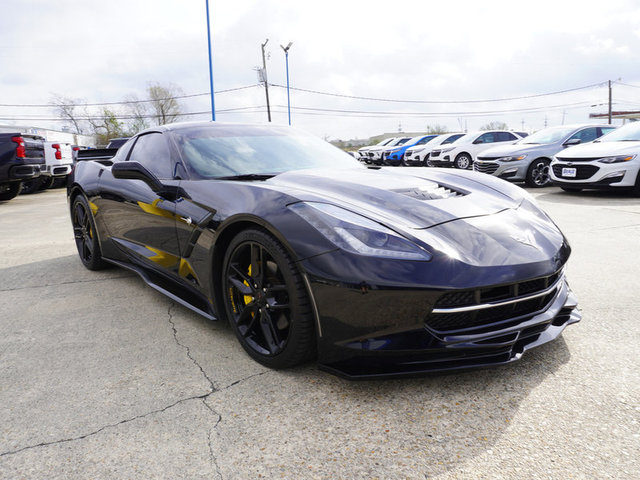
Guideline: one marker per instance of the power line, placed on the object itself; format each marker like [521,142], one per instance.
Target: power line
[130,102]
[356,97]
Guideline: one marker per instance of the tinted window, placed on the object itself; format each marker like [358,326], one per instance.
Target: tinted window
[453,138]
[586,135]
[123,151]
[152,151]
[605,130]
[485,138]
[505,137]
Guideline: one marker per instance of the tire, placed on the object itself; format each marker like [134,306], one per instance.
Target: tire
[571,189]
[463,161]
[10,190]
[84,231]
[636,188]
[266,302]
[538,174]
[31,186]
[46,183]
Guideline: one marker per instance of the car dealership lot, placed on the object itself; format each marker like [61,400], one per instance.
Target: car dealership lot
[102,377]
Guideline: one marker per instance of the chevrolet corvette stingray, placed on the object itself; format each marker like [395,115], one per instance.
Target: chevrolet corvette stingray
[308,254]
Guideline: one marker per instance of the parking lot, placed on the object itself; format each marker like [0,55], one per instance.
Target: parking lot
[103,377]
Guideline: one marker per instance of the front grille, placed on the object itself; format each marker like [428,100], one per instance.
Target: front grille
[435,153]
[582,171]
[473,309]
[489,168]
[583,159]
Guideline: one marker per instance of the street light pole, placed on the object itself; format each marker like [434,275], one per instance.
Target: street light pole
[213,106]
[286,56]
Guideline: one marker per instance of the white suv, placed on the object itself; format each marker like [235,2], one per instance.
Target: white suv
[610,162]
[419,154]
[462,152]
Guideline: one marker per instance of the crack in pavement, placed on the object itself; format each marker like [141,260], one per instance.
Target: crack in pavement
[214,460]
[111,425]
[188,350]
[65,283]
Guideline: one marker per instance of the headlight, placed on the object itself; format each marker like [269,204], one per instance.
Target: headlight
[447,149]
[512,159]
[358,234]
[417,150]
[617,159]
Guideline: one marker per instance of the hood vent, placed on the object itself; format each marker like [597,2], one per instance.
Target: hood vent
[429,192]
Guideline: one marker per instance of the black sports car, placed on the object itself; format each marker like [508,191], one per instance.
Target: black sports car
[309,254]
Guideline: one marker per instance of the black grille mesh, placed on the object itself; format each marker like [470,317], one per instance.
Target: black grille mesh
[516,309]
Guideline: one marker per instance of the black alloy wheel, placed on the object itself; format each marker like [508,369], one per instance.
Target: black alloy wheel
[84,231]
[538,173]
[266,301]
[463,161]
[10,190]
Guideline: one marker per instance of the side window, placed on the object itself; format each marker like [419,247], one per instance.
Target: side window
[506,137]
[152,151]
[605,130]
[586,135]
[485,138]
[123,151]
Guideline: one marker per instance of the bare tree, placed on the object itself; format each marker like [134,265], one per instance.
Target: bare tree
[139,111]
[163,104]
[495,126]
[67,109]
[436,129]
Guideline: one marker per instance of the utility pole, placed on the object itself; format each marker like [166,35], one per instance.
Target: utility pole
[610,102]
[266,82]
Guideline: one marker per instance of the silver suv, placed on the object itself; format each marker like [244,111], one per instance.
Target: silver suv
[528,159]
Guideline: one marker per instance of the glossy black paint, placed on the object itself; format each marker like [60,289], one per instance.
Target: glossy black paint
[371,312]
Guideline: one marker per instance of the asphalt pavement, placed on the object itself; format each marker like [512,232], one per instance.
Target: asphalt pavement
[103,377]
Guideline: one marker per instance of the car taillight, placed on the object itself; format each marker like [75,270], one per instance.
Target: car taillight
[21,151]
[56,146]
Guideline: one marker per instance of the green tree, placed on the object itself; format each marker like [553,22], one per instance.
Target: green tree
[106,126]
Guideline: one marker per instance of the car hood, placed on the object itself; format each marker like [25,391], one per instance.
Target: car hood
[518,149]
[406,200]
[601,149]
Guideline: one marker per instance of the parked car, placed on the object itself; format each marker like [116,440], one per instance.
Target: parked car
[418,155]
[395,155]
[362,152]
[59,162]
[462,152]
[610,162]
[21,160]
[528,159]
[309,254]
[374,154]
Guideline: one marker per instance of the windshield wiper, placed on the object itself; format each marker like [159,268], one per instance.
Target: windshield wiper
[248,176]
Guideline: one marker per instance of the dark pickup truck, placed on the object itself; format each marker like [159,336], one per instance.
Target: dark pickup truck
[21,159]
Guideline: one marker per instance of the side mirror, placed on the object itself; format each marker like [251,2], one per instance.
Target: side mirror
[573,141]
[135,171]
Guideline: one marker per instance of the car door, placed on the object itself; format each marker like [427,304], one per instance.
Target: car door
[139,220]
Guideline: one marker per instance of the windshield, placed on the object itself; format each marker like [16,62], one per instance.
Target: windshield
[385,141]
[467,138]
[452,138]
[548,135]
[626,133]
[422,140]
[228,150]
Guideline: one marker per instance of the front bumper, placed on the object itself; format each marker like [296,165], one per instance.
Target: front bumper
[594,174]
[368,331]
[440,159]
[513,171]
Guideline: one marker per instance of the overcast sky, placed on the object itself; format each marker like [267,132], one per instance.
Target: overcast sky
[448,52]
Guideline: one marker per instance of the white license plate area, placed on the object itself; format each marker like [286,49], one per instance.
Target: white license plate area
[568,172]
